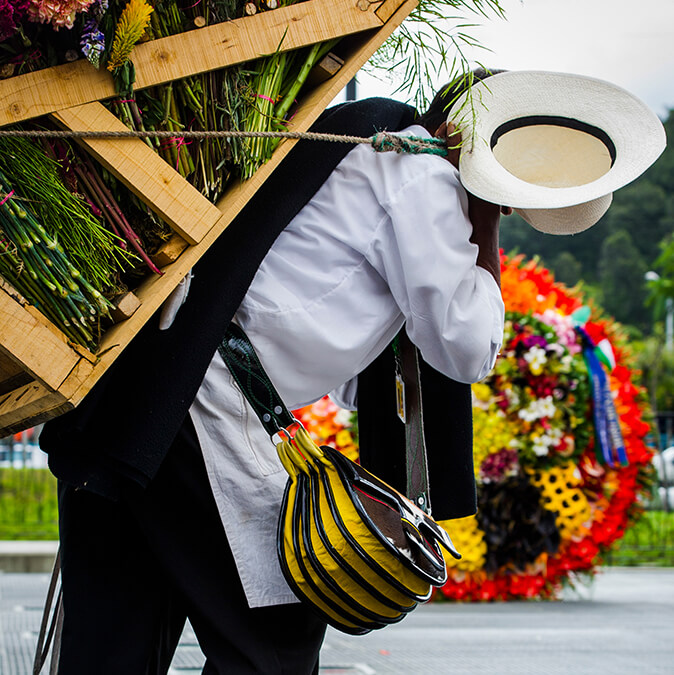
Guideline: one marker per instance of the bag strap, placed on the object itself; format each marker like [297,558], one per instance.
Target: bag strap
[407,362]
[50,631]
[240,357]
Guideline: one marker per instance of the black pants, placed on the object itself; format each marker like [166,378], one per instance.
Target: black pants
[133,570]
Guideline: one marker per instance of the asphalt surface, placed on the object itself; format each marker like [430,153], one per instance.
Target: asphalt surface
[623,623]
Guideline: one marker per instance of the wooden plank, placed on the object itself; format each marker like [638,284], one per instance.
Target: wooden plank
[143,171]
[27,338]
[172,58]
[326,68]
[30,405]
[126,305]
[12,375]
[154,290]
[34,403]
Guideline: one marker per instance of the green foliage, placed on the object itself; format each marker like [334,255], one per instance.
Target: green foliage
[28,508]
[566,268]
[657,367]
[621,276]
[649,542]
[429,46]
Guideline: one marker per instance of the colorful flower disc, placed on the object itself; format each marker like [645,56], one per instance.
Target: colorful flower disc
[559,447]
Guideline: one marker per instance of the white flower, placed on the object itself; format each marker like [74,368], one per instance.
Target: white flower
[536,357]
[343,417]
[549,439]
[541,407]
[513,397]
[555,348]
[540,448]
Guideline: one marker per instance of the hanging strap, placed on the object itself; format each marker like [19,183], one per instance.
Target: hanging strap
[239,355]
[50,631]
[415,442]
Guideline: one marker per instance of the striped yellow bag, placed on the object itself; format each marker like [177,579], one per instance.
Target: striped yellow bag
[357,551]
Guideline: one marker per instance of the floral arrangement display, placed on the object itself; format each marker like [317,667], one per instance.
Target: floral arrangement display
[559,452]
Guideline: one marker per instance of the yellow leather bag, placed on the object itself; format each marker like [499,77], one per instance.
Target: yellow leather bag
[351,546]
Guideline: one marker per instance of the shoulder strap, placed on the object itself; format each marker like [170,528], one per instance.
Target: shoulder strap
[240,357]
[415,442]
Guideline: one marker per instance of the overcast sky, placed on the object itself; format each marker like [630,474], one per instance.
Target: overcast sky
[628,42]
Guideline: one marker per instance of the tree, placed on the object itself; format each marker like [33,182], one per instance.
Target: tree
[566,268]
[621,275]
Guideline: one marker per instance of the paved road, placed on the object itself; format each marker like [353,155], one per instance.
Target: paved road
[623,624]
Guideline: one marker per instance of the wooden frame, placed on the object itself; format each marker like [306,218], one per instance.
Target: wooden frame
[42,374]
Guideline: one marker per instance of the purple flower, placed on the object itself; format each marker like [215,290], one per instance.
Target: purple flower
[499,465]
[92,42]
[98,8]
[534,341]
[11,13]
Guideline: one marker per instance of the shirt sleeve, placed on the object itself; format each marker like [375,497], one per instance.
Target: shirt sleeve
[453,308]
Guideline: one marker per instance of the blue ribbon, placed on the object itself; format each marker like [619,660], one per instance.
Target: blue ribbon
[608,437]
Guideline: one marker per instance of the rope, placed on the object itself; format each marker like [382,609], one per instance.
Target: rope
[381,142]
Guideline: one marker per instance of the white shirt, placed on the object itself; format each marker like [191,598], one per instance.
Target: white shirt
[384,241]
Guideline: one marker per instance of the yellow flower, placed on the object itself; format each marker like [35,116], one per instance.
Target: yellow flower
[343,437]
[469,541]
[491,433]
[130,28]
[561,493]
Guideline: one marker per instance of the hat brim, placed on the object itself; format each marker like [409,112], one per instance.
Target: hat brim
[636,133]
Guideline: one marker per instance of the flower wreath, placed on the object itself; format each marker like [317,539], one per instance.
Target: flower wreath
[559,448]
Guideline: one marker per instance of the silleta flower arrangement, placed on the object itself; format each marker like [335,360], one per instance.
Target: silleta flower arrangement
[559,448]
[71,243]
[72,236]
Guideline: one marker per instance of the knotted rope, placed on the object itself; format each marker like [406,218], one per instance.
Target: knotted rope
[382,141]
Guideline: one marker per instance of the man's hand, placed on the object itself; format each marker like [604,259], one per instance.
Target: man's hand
[452,138]
[483,215]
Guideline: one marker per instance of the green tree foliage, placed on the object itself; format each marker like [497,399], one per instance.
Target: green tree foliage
[621,277]
[566,268]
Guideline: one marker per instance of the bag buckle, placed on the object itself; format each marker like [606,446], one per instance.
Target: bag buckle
[287,433]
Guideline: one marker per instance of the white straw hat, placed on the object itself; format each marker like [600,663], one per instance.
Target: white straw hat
[554,146]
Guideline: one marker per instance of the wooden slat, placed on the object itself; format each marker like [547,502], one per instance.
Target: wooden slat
[154,291]
[178,56]
[30,405]
[126,306]
[326,68]
[29,339]
[143,171]
[12,375]
[170,251]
